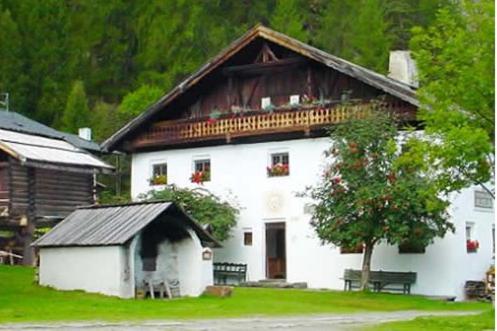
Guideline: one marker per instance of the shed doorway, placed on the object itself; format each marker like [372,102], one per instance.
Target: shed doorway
[275,251]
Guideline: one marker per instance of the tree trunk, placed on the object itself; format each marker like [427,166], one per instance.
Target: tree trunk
[366,266]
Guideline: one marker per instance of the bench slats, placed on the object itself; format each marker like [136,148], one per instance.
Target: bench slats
[381,280]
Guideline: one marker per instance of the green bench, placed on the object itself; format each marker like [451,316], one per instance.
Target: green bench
[381,280]
[225,270]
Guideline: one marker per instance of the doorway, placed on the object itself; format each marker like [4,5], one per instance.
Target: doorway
[275,251]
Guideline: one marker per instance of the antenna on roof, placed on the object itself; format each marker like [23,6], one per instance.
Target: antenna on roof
[4,101]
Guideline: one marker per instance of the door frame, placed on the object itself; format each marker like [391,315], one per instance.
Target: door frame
[267,222]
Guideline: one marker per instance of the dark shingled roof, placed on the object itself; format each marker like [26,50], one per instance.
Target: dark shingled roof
[115,225]
[381,82]
[16,122]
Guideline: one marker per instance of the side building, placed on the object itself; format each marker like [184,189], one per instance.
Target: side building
[44,175]
[251,125]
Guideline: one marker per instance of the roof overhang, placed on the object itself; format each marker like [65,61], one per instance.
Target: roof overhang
[381,82]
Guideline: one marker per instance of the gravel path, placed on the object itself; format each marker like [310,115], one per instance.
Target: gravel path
[329,322]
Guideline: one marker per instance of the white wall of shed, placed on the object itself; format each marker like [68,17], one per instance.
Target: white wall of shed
[96,269]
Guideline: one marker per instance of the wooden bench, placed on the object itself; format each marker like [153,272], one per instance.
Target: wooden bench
[381,280]
[225,270]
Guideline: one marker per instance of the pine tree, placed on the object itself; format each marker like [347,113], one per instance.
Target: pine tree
[76,114]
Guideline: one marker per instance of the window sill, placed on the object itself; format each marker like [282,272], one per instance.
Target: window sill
[483,210]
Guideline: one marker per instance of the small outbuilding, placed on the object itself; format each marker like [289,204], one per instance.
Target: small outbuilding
[126,250]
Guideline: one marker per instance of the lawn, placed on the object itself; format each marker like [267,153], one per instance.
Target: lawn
[484,321]
[22,301]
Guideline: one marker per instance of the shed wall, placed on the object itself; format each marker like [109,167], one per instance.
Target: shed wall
[97,269]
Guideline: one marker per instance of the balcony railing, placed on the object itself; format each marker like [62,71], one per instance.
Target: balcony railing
[230,126]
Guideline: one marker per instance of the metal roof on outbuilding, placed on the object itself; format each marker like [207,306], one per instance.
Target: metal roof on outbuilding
[13,121]
[42,152]
[114,225]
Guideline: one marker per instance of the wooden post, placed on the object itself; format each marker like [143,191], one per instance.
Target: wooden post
[29,229]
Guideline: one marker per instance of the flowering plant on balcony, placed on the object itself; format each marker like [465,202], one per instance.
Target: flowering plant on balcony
[158,180]
[472,245]
[279,169]
[199,177]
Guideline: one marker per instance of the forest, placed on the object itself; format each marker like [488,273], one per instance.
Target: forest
[78,63]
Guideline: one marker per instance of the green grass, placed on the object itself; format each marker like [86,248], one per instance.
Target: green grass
[484,321]
[22,301]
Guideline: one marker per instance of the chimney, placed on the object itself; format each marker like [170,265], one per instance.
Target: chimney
[403,68]
[84,133]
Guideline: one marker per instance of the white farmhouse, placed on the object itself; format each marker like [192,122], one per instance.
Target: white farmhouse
[251,124]
[122,250]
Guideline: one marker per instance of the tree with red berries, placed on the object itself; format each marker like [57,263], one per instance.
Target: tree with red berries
[368,194]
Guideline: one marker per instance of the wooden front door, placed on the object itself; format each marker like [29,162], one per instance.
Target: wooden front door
[275,251]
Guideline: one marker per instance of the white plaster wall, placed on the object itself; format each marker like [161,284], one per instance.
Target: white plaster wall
[92,269]
[178,261]
[238,173]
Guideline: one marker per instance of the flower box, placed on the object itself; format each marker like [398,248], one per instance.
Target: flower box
[199,177]
[158,180]
[472,246]
[278,169]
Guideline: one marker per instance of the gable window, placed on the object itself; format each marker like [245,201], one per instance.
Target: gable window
[472,245]
[280,165]
[483,200]
[159,174]
[201,171]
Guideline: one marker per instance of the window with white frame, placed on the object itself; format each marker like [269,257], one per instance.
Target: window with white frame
[472,244]
[279,165]
[159,174]
[201,171]
[483,200]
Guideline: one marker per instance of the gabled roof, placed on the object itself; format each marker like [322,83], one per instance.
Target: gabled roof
[46,152]
[114,225]
[381,82]
[13,121]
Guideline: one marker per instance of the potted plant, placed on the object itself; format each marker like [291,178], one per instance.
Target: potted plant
[279,169]
[472,246]
[213,116]
[199,177]
[158,180]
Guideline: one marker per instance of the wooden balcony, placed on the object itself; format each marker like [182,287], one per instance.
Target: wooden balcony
[255,123]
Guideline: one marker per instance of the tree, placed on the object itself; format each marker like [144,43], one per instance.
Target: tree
[455,58]
[366,196]
[290,17]
[76,114]
[138,101]
[202,205]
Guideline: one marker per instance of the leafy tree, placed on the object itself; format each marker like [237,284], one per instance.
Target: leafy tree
[290,17]
[137,101]
[366,196]
[76,114]
[202,205]
[456,63]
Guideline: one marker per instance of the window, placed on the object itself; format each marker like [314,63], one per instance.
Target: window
[247,238]
[472,245]
[483,200]
[359,249]
[280,165]
[411,247]
[202,171]
[159,174]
